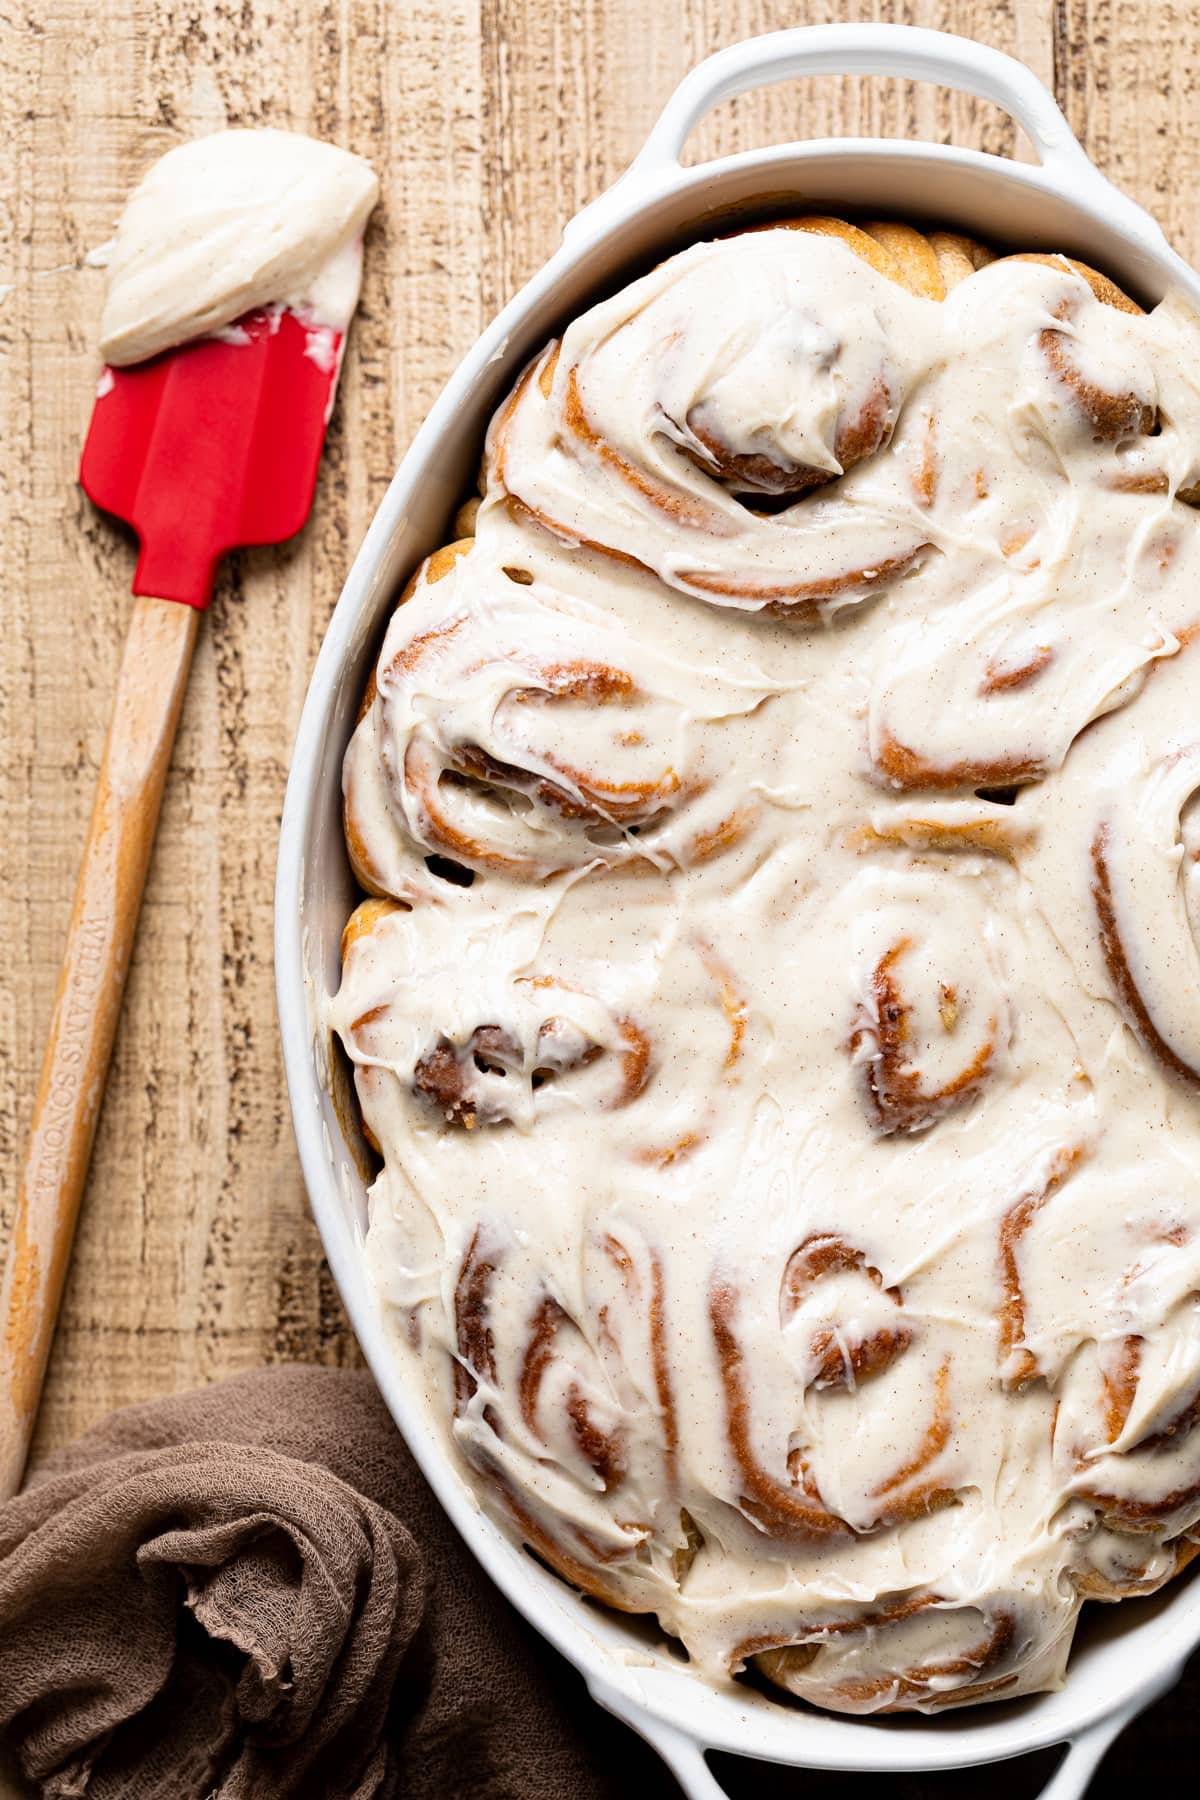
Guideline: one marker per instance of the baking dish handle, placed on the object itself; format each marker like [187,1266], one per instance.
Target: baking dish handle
[1085,1752]
[685,1756]
[906,51]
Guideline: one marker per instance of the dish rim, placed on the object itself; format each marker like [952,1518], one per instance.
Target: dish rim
[680,1713]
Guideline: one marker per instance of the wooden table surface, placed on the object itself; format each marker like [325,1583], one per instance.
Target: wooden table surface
[490,122]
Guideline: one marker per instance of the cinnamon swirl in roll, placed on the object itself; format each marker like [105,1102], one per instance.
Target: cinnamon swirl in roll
[777,1002]
[656,425]
[513,727]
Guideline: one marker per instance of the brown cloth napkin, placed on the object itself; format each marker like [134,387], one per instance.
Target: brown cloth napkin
[249,1592]
[215,1595]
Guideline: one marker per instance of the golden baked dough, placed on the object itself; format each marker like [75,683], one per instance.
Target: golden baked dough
[779,1004]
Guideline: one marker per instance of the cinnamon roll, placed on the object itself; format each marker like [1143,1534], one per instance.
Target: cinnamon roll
[1128,812]
[931,1026]
[1020,661]
[487,1054]
[655,427]
[776,1005]
[933,1653]
[511,728]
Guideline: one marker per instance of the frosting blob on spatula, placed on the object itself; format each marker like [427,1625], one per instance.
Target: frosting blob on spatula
[230,223]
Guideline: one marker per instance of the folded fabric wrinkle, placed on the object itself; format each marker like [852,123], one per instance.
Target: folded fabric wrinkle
[249,1593]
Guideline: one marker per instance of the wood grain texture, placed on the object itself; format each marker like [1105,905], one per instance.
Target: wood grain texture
[490,122]
[151,682]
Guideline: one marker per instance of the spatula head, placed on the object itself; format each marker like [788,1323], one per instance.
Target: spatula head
[212,445]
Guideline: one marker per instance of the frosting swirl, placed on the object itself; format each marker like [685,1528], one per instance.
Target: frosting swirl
[779,1011]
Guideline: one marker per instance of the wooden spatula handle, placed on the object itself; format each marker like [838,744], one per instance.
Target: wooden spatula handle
[154,671]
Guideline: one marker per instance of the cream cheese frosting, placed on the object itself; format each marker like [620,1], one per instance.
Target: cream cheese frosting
[229,223]
[781,1017]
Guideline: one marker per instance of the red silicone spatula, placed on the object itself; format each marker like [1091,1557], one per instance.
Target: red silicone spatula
[212,446]
[207,447]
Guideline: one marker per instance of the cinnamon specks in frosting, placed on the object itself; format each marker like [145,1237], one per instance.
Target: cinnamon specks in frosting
[779,1013]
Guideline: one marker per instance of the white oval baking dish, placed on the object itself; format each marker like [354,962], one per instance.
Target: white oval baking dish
[1126,1655]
